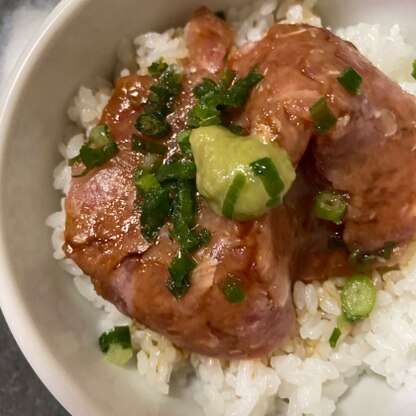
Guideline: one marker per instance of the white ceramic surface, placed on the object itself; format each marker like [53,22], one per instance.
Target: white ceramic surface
[54,327]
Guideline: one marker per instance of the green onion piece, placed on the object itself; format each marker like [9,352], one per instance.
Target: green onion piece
[100,135]
[119,356]
[184,143]
[333,340]
[146,182]
[203,115]
[155,209]
[157,68]
[177,170]
[266,170]
[91,157]
[330,206]
[237,95]
[350,80]
[206,89]
[414,69]
[179,272]
[185,202]
[185,237]
[95,157]
[358,297]
[146,146]
[322,117]
[232,289]
[119,335]
[233,193]
[152,124]
[203,237]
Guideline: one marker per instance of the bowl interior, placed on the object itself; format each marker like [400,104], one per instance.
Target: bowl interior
[53,325]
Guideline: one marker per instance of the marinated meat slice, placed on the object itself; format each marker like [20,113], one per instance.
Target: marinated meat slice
[129,272]
[209,40]
[370,153]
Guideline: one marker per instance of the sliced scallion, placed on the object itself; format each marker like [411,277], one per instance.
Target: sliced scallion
[184,144]
[146,182]
[350,80]
[155,209]
[152,124]
[413,73]
[333,340]
[119,335]
[330,206]
[358,297]
[116,345]
[233,193]
[179,273]
[157,68]
[322,117]
[183,170]
[232,289]
[266,170]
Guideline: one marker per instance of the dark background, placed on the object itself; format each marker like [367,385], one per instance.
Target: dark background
[21,391]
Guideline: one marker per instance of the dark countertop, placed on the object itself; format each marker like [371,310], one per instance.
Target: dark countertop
[21,391]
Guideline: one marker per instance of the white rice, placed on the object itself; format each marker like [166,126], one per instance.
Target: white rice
[305,376]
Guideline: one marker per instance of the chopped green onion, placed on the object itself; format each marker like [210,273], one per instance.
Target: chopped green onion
[119,335]
[119,356]
[212,98]
[100,135]
[330,206]
[322,117]
[266,170]
[232,289]
[333,340]
[358,297]
[414,69]
[203,237]
[157,68]
[152,124]
[350,80]
[179,271]
[203,115]
[185,202]
[155,209]
[159,102]
[92,157]
[146,146]
[184,144]
[146,182]
[177,170]
[233,193]
[237,95]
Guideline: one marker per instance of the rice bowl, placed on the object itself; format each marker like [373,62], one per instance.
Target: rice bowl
[309,306]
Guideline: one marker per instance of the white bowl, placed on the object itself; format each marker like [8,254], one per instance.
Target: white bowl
[53,325]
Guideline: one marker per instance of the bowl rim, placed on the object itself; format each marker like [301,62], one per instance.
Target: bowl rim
[21,324]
